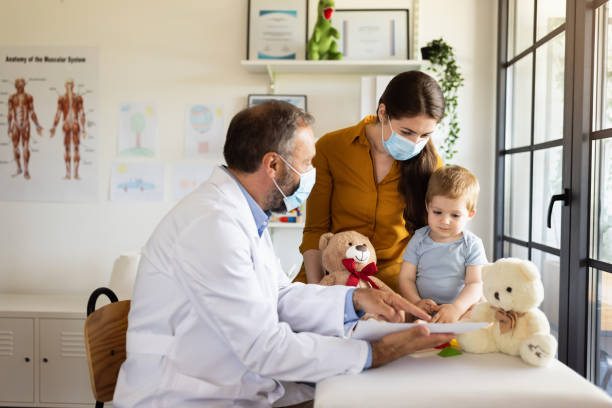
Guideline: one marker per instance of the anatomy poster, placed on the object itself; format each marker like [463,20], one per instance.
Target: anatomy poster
[204,131]
[49,147]
[188,176]
[137,129]
[137,182]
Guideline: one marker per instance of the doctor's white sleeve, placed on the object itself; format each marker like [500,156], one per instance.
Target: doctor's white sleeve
[313,308]
[227,293]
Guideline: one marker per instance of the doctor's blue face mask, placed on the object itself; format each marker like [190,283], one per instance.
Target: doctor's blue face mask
[300,195]
[401,148]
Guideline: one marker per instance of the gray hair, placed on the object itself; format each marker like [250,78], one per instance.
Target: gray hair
[268,127]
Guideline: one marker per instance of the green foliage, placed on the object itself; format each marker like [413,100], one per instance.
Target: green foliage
[445,69]
[137,122]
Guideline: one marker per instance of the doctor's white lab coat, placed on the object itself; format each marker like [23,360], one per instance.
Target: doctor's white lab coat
[214,320]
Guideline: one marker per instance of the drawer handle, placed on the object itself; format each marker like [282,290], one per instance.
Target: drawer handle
[45,360]
[27,359]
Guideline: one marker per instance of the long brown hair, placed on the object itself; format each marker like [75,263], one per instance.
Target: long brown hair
[411,94]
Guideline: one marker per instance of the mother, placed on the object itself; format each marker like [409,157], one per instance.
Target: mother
[372,177]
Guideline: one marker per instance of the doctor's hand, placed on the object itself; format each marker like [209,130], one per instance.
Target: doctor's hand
[396,345]
[385,305]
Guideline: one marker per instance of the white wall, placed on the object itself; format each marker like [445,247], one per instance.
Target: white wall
[471,28]
[188,51]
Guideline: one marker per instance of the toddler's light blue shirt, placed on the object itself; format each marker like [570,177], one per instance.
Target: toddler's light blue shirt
[441,265]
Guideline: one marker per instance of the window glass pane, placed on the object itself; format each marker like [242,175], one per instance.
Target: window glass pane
[601,200]
[520,26]
[603,364]
[516,196]
[548,106]
[551,14]
[515,251]
[550,269]
[518,103]
[608,81]
[547,172]
[602,92]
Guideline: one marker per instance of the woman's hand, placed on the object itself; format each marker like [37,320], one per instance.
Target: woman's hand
[385,305]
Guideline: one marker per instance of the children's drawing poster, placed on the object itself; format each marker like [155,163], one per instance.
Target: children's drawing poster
[137,181]
[204,130]
[188,176]
[137,130]
[49,147]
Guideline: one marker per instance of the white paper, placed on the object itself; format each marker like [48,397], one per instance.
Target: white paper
[47,72]
[204,130]
[188,176]
[368,36]
[137,181]
[372,330]
[277,30]
[137,130]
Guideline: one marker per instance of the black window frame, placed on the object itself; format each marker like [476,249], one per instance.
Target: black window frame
[578,316]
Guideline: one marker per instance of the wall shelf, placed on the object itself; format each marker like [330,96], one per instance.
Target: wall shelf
[374,67]
[332,67]
[286,225]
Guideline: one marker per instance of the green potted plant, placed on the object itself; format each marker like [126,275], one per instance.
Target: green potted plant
[445,69]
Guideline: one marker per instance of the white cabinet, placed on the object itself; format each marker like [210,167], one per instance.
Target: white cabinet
[17,360]
[42,352]
[64,374]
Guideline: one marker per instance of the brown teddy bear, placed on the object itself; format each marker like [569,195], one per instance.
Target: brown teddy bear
[349,259]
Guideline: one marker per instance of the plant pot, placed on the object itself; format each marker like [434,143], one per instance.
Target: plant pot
[426,52]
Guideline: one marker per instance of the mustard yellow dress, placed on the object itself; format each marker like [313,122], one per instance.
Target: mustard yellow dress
[346,197]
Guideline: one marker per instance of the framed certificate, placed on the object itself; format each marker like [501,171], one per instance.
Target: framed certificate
[373,34]
[297,100]
[277,29]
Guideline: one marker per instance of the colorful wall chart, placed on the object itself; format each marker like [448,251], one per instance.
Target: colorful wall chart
[49,147]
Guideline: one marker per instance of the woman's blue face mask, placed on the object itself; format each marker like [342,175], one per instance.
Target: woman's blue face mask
[401,148]
[299,196]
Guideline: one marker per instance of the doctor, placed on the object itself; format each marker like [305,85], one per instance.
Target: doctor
[214,321]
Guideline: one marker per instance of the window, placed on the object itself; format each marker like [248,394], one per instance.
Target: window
[554,167]
[530,144]
[600,208]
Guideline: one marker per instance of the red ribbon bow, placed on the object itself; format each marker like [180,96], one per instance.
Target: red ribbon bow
[364,274]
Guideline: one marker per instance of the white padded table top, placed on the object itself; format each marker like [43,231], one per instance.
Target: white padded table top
[469,380]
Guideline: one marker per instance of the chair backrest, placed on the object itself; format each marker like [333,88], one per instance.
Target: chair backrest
[105,331]
[123,275]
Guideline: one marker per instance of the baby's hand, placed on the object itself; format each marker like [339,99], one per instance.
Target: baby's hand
[447,313]
[428,305]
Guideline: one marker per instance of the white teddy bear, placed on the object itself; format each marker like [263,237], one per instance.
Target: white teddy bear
[514,291]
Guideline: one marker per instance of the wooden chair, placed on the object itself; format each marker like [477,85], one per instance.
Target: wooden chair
[105,330]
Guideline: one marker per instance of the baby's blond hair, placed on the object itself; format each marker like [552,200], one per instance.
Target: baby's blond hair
[454,182]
